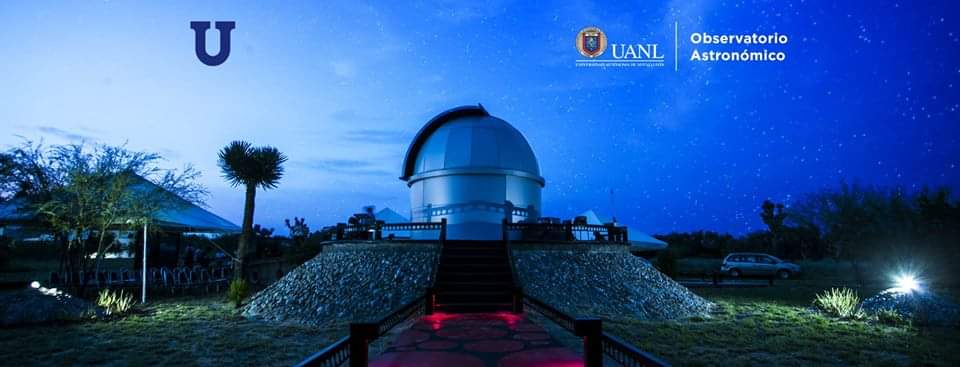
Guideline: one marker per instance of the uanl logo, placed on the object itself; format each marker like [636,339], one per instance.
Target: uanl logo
[592,42]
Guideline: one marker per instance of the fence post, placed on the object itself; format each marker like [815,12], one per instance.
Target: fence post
[504,233]
[590,329]
[431,302]
[341,227]
[443,230]
[517,300]
[361,333]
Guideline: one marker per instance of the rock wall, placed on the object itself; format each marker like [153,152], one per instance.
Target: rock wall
[348,282]
[602,280]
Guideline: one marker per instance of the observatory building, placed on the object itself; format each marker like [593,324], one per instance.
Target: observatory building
[475,170]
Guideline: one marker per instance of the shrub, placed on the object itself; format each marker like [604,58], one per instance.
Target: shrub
[892,317]
[667,263]
[115,303]
[238,291]
[842,302]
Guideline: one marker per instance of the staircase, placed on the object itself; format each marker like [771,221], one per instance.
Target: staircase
[474,276]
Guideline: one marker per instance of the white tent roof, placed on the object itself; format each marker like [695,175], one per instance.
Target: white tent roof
[639,241]
[388,215]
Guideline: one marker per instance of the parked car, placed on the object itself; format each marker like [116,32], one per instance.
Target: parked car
[757,264]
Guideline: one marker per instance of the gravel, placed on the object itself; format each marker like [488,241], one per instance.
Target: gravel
[359,281]
[602,281]
[921,307]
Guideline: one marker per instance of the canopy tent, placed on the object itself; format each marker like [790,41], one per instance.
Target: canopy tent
[639,241]
[184,216]
[181,216]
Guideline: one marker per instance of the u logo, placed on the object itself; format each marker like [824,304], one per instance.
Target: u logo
[200,33]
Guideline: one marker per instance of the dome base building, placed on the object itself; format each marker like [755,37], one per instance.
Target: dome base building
[475,170]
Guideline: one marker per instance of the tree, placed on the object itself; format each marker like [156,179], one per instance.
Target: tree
[773,216]
[298,230]
[251,167]
[26,172]
[85,194]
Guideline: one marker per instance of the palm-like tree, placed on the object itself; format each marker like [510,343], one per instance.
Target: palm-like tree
[252,167]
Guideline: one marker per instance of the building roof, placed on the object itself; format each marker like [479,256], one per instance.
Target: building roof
[467,139]
[182,216]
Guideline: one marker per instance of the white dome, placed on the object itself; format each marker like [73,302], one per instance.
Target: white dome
[474,171]
[467,139]
[476,142]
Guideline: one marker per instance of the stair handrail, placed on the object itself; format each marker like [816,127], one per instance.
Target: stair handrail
[355,347]
[596,342]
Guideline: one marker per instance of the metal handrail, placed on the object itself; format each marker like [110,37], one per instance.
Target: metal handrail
[400,315]
[333,355]
[558,317]
[354,347]
[596,341]
[626,354]
[374,231]
[571,232]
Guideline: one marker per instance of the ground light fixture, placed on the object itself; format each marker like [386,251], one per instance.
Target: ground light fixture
[906,283]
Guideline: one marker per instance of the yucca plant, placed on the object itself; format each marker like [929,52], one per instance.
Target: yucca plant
[840,302]
[115,303]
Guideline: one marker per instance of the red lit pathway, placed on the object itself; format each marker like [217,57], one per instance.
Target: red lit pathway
[476,340]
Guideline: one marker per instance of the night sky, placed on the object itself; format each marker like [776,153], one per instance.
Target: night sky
[868,93]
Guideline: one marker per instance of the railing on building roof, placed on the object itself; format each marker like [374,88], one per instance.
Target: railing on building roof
[375,230]
[524,231]
[566,231]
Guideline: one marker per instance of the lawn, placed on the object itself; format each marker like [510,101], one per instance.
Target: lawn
[775,326]
[178,332]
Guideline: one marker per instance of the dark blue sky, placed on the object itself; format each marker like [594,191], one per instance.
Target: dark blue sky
[868,93]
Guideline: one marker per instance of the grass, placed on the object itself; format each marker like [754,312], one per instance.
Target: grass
[204,332]
[777,326]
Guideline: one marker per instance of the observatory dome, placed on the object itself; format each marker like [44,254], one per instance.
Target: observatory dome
[473,169]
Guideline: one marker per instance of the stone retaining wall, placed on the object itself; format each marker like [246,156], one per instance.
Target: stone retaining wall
[602,280]
[352,281]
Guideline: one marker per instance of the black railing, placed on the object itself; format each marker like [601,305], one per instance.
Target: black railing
[596,342]
[567,231]
[355,347]
[374,231]
[333,355]
[626,354]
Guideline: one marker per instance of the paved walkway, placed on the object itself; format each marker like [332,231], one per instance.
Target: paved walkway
[476,340]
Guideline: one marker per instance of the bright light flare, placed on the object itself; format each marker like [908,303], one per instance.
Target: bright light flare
[35,284]
[906,283]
